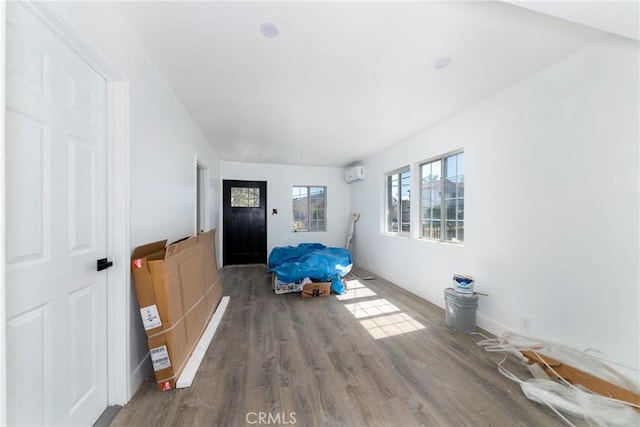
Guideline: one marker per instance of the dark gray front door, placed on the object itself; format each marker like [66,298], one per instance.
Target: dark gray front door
[244,222]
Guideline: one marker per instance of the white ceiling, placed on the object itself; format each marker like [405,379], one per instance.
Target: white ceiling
[343,80]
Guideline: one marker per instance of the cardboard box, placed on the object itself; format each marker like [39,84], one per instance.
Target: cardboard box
[319,289]
[178,290]
[280,287]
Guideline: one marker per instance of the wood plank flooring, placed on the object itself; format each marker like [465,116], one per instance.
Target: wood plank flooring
[378,357]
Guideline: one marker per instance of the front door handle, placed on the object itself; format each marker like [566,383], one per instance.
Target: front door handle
[103,264]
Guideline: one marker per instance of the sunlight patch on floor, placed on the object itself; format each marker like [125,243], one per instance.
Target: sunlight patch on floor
[356,290]
[371,308]
[379,317]
[354,284]
[390,325]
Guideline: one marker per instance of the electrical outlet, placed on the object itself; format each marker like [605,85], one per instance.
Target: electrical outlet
[525,324]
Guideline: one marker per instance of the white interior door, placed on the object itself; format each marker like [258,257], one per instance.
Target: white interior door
[56,230]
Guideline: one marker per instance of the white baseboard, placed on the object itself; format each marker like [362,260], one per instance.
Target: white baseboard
[139,373]
[191,368]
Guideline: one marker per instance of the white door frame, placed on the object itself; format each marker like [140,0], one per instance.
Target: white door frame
[118,211]
[3,313]
[202,196]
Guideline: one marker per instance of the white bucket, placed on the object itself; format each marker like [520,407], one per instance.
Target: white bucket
[463,284]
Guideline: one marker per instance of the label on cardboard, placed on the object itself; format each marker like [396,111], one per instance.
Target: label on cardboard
[316,290]
[150,317]
[160,358]
[138,263]
[463,284]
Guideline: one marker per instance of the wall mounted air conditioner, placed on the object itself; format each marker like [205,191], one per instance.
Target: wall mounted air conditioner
[353,173]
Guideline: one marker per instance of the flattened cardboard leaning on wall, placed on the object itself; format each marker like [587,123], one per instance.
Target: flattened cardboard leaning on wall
[178,290]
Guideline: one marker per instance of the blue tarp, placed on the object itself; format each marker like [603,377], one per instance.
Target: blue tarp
[313,260]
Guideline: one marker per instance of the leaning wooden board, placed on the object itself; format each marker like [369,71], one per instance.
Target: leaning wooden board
[556,369]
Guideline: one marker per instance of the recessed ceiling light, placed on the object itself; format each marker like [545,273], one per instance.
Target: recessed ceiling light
[269,30]
[442,63]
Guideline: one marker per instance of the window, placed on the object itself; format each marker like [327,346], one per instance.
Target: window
[309,208]
[242,197]
[399,201]
[442,198]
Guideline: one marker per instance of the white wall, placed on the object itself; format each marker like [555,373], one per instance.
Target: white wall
[552,205]
[165,143]
[280,180]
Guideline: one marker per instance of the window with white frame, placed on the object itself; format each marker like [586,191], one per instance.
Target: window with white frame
[309,208]
[398,189]
[442,198]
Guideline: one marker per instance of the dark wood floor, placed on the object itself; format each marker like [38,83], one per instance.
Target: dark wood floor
[379,357]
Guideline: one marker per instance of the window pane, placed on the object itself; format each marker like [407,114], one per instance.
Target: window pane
[451,209]
[451,230]
[460,164]
[398,188]
[430,199]
[460,189]
[431,171]
[442,182]
[426,210]
[316,208]
[405,205]
[435,170]
[434,179]
[300,202]
[436,210]
[309,208]
[392,203]
[455,231]
[449,189]
[450,164]
[242,197]
[431,229]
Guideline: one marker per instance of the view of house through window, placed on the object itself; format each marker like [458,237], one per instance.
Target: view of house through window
[442,198]
[309,208]
[242,197]
[399,202]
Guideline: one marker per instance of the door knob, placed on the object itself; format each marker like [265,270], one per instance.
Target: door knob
[103,264]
